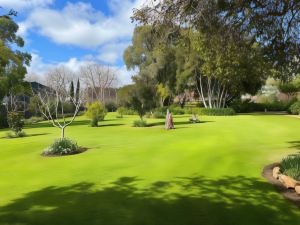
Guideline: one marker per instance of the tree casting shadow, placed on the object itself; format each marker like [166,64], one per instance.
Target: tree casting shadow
[198,201]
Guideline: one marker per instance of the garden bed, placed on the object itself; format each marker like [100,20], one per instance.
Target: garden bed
[79,151]
[289,193]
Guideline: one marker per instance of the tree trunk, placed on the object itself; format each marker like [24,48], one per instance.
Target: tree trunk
[62,133]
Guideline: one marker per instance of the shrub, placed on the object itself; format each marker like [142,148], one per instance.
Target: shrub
[194,119]
[161,112]
[121,111]
[139,123]
[246,106]
[16,135]
[15,121]
[217,112]
[33,120]
[175,110]
[295,108]
[3,117]
[128,111]
[62,147]
[111,106]
[290,166]
[96,112]
[158,115]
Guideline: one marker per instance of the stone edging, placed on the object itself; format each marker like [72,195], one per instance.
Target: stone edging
[289,193]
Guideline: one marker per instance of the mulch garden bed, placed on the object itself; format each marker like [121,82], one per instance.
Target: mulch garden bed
[289,194]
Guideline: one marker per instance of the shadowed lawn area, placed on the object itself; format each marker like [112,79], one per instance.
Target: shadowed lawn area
[207,173]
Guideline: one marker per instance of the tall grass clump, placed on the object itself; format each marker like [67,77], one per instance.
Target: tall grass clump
[290,166]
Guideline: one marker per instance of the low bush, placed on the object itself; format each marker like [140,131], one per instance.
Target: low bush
[290,166]
[96,112]
[217,112]
[295,108]
[130,112]
[33,120]
[62,147]
[121,111]
[111,106]
[247,107]
[161,112]
[158,115]
[15,121]
[176,110]
[3,117]
[139,123]
[19,134]
[194,119]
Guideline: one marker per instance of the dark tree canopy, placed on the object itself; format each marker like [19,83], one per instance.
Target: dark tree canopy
[193,45]
[274,24]
[13,62]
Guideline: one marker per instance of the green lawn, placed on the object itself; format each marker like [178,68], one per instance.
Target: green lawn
[197,174]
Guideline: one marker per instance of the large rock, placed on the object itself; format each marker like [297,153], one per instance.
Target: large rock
[276,172]
[297,189]
[287,181]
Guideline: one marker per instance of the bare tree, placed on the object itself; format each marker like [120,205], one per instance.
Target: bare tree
[52,100]
[98,80]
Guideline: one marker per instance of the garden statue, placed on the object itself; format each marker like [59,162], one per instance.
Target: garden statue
[169,121]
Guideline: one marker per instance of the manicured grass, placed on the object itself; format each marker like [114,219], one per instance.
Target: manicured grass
[198,174]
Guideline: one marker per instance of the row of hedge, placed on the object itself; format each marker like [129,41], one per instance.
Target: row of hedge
[247,107]
[175,110]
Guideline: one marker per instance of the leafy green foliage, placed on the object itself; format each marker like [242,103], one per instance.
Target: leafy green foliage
[96,112]
[159,115]
[290,166]
[211,112]
[13,62]
[295,108]
[62,147]
[77,94]
[139,123]
[123,94]
[3,117]
[121,111]
[33,120]
[111,106]
[142,98]
[15,121]
[246,106]
[16,135]
[72,90]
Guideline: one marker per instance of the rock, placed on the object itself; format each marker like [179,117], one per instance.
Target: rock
[287,181]
[276,172]
[297,189]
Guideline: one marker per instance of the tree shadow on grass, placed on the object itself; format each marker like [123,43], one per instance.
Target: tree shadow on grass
[49,124]
[27,135]
[197,201]
[295,144]
[111,125]
[177,123]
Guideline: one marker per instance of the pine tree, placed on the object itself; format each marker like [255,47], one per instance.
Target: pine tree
[77,90]
[72,90]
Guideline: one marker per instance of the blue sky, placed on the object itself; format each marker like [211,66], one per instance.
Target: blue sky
[72,33]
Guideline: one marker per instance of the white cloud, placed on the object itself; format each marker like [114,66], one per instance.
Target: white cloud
[79,24]
[38,68]
[124,76]
[23,4]
[111,52]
